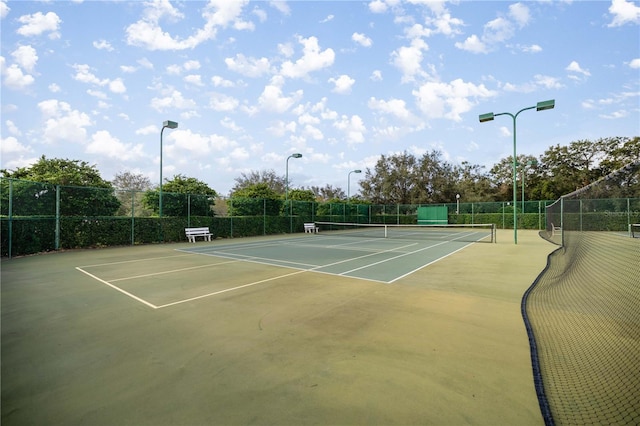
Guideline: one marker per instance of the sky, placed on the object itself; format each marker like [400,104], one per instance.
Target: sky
[340,82]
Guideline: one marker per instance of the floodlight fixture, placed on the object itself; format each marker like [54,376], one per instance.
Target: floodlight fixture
[544,105]
[486,117]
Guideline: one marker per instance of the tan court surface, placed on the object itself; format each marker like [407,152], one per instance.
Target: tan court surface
[445,345]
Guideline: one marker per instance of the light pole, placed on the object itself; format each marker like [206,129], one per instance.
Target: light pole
[349,182]
[171,125]
[286,190]
[457,203]
[286,183]
[540,106]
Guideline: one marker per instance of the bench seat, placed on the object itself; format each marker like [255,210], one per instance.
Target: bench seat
[311,228]
[192,233]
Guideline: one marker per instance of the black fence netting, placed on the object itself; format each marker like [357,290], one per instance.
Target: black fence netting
[583,311]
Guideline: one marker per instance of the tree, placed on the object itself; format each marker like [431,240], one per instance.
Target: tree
[403,179]
[131,181]
[254,200]
[129,186]
[83,192]
[267,177]
[328,192]
[182,196]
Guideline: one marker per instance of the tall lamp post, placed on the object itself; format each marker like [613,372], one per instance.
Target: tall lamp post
[286,190]
[540,106]
[349,182]
[457,203]
[170,125]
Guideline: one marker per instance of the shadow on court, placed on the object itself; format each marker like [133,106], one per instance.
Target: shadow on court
[444,345]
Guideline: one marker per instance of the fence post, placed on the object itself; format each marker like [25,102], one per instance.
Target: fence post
[57,236]
[10,222]
[133,224]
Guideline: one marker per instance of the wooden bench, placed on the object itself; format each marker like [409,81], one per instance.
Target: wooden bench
[311,228]
[556,230]
[192,233]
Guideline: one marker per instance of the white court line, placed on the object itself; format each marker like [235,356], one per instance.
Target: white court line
[130,261]
[133,296]
[261,260]
[230,289]
[430,263]
[172,271]
[393,258]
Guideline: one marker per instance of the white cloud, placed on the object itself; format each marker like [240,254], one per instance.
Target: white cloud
[624,12]
[36,24]
[362,39]
[11,145]
[353,127]
[174,99]
[12,128]
[376,75]
[219,81]
[449,100]
[84,74]
[444,23]
[220,102]
[103,143]
[148,34]
[408,59]
[378,6]
[498,30]
[97,94]
[103,45]
[281,6]
[342,84]
[395,107]
[272,98]
[63,124]
[117,86]
[261,14]
[312,59]
[520,13]
[250,67]
[635,63]
[14,78]
[534,48]
[194,79]
[26,57]
[286,49]
[472,44]
[4,9]
[191,65]
[574,67]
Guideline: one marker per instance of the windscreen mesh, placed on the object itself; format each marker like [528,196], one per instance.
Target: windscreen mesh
[583,311]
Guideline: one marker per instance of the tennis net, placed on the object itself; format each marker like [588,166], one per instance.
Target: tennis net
[445,232]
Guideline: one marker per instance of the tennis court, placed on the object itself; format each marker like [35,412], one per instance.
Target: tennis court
[235,266]
[306,329]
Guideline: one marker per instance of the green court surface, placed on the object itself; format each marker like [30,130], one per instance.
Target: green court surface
[299,330]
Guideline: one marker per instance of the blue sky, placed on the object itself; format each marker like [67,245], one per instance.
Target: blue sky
[341,82]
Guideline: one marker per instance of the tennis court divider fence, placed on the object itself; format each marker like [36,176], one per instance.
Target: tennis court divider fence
[38,217]
[582,313]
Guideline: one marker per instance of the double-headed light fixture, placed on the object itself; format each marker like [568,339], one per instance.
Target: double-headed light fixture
[540,106]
